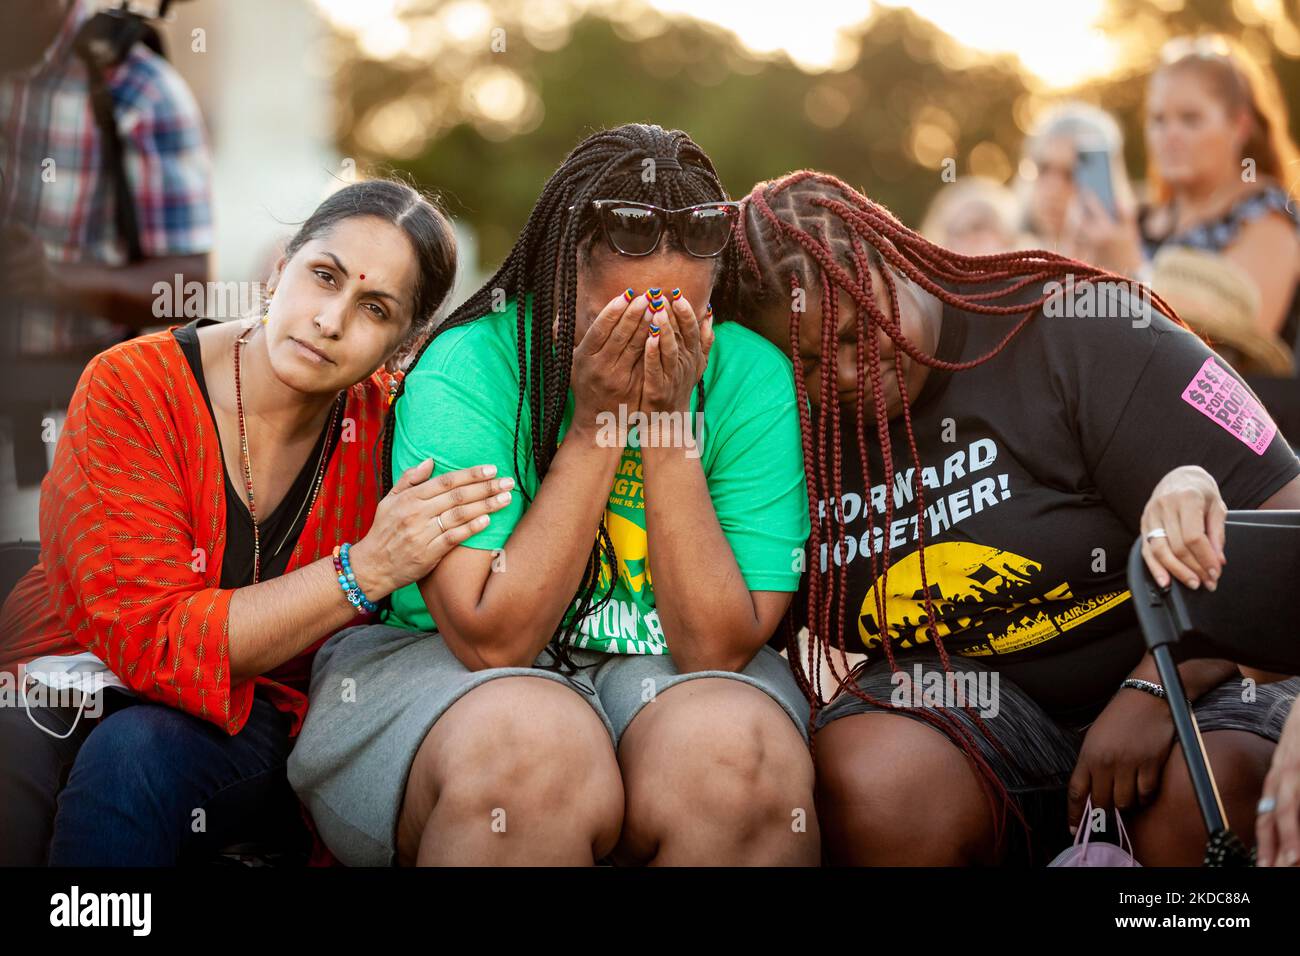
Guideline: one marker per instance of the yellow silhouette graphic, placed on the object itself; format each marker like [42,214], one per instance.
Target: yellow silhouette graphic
[630,545]
[970,585]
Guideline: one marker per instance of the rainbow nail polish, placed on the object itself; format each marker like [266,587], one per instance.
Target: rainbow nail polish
[629,295]
[654,331]
[657,305]
[654,293]
[675,294]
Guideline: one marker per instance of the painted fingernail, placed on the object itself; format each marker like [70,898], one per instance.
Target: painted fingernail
[654,331]
[656,305]
[629,295]
[676,294]
[708,311]
[654,293]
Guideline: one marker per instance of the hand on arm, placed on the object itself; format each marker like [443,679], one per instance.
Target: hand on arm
[273,621]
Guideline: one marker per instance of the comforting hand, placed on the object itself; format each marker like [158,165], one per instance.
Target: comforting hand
[421,520]
[1186,506]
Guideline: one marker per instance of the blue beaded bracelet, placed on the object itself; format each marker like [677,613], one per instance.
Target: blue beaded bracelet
[352,580]
[348,582]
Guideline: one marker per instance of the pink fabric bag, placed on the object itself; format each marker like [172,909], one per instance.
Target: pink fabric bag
[1096,854]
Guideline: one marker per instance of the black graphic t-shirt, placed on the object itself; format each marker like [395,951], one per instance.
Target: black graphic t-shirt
[1036,467]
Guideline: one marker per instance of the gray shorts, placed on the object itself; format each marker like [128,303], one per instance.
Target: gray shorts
[1034,755]
[377,690]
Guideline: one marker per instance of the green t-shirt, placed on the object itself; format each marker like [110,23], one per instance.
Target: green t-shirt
[459,406]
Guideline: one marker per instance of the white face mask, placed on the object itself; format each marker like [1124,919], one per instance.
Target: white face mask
[63,674]
[84,672]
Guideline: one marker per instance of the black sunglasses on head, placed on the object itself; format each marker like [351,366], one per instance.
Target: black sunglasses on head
[635,228]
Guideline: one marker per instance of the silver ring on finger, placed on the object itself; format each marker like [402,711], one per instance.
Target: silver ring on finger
[441,527]
[1156,533]
[1266,805]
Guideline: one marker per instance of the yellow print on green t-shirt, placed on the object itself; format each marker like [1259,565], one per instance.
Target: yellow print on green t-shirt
[629,623]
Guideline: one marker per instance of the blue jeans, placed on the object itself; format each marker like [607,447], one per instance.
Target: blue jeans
[154,786]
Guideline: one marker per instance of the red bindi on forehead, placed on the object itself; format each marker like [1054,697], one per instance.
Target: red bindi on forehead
[363,275]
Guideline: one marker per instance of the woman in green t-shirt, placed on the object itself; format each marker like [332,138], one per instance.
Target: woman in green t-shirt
[648,556]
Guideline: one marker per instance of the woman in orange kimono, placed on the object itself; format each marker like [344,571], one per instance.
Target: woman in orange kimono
[211,518]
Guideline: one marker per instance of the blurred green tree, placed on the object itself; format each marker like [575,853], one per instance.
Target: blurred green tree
[911,99]
[486,118]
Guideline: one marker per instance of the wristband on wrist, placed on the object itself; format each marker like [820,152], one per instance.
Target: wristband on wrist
[1149,687]
[348,581]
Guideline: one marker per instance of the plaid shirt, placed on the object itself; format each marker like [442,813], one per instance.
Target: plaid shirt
[47,126]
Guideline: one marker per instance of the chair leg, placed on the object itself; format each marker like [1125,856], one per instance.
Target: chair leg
[1189,738]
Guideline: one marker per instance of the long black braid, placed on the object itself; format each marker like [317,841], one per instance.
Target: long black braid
[543,266]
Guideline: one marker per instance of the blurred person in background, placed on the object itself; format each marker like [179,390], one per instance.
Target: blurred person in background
[974,216]
[1222,170]
[78,265]
[1059,215]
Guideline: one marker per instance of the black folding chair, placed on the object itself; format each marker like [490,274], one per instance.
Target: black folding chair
[1252,619]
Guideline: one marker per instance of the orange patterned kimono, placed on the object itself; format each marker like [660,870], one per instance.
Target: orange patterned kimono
[133,530]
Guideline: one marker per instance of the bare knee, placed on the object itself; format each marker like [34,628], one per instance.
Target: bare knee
[525,753]
[892,791]
[717,763]
[1171,831]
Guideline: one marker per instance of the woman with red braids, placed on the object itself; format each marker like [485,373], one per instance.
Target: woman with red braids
[985,438]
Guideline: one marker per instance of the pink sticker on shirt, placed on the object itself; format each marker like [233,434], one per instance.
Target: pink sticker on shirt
[1216,394]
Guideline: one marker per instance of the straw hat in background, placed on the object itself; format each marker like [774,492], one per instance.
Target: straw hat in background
[1220,301]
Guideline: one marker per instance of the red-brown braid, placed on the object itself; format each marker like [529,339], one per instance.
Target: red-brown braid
[826,229]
